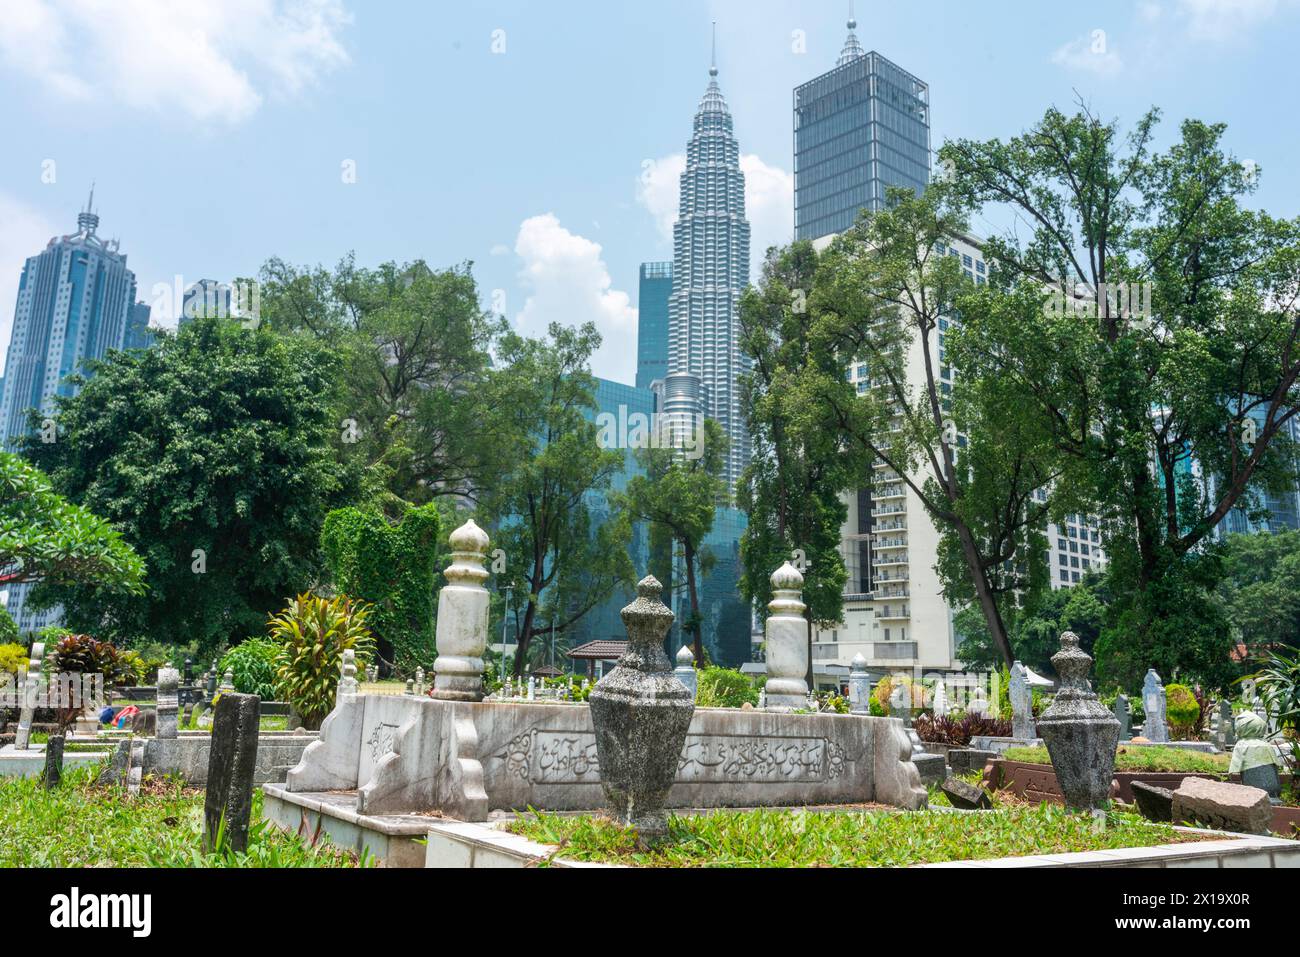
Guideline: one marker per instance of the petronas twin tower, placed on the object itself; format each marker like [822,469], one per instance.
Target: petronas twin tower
[710,271]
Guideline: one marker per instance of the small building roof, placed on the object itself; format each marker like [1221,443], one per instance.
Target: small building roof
[600,649]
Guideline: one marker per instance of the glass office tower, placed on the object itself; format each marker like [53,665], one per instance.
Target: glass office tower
[652,322]
[75,301]
[858,129]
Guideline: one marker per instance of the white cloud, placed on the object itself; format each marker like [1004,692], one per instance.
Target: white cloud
[208,60]
[1092,52]
[23,232]
[769,207]
[1225,19]
[769,200]
[565,280]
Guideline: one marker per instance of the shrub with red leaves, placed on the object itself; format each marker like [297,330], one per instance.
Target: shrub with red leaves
[959,731]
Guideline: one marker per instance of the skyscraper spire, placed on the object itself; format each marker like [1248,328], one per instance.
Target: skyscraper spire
[852,48]
[87,221]
[713,60]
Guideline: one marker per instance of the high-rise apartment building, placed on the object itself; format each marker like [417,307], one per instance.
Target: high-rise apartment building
[858,130]
[711,271]
[75,302]
[653,294]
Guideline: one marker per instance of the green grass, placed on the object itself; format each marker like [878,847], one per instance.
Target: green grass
[80,825]
[780,838]
[1141,759]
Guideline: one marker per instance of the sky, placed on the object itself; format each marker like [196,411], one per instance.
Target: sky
[540,141]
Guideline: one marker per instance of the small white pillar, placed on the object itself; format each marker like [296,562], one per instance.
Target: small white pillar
[463,618]
[787,642]
[685,670]
[31,689]
[347,676]
[859,686]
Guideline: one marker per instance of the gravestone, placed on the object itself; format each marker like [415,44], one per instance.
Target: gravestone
[462,630]
[899,703]
[1153,803]
[30,687]
[347,676]
[1080,734]
[410,686]
[685,670]
[1222,806]
[168,683]
[227,682]
[1266,778]
[231,765]
[966,760]
[859,685]
[1155,730]
[1022,704]
[979,703]
[966,797]
[640,713]
[939,703]
[372,673]
[787,642]
[118,765]
[53,761]
[931,767]
[1226,725]
[1124,715]
[419,681]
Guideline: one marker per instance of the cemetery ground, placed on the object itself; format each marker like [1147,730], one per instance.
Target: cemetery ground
[80,823]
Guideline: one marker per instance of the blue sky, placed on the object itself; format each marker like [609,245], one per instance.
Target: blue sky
[540,140]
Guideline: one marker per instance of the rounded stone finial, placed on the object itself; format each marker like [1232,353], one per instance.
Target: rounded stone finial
[787,578]
[859,662]
[685,657]
[649,587]
[469,538]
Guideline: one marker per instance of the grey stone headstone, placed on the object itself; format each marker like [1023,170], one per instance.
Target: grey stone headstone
[30,687]
[232,762]
[1153,803]
[1080,733]
[1022,704]
[1156,728]
[640,713]
[168,683]
[1266,778]
[53,761]
[118,765]
[966,797]
[931,767]
[1124,715]
[1227,725]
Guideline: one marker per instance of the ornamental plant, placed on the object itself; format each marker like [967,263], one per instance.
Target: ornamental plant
[253,665]
[724,688]
[1182,709]
[959,731]
[313,633]
[8,627]
[13,657]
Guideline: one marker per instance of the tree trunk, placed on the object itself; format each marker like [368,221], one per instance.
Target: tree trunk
[525,638]
[984,592]
[697,638]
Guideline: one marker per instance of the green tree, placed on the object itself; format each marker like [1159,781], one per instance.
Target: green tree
[1135,389]
[680,494]
[212,453]
[961,443]
[390,566]
[1260,589]
[546,520]
[415,358]
[791,489]
[45,538]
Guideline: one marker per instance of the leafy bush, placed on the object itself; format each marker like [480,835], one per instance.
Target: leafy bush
[884,690]
[959,731]
[832,702]
[134,668]
[1182,709]
[724,688]
[13,657]
[313,633]
[8,628]
[83,654]
[253,665]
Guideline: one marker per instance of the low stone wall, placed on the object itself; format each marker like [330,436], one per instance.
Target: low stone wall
[404,754]
[187,755]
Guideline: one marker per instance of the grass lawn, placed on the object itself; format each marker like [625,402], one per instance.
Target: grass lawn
[778,838]
[81,825]
[1141,759]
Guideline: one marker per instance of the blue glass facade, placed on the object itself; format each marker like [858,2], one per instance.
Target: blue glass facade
[75,302]
[655,288]
[858,129]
